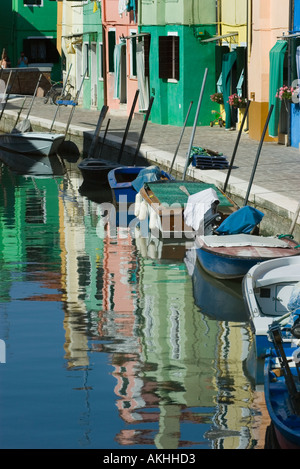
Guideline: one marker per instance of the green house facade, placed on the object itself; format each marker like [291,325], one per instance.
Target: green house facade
[92,51]
[175,59]
[31,26]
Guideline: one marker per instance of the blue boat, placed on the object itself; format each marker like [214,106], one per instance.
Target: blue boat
[126,181]
[233,250]
[282,394]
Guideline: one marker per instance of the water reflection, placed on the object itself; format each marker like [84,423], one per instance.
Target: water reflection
[138,351]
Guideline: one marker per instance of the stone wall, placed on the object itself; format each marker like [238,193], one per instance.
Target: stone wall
[24,81]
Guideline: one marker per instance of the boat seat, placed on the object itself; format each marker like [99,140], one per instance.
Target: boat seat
[273,280]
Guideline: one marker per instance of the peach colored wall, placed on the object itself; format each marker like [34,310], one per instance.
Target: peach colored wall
[270,19]
[111,19]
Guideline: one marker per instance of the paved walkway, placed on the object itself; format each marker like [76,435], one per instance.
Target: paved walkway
[276,184]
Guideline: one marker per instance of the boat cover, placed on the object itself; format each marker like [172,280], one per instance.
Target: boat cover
[170,192]
[241,221]
[152,173]
[294,301]
[243,240]
[198,206]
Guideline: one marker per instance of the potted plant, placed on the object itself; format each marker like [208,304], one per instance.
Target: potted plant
[287,94]
[237,101]
[217,98]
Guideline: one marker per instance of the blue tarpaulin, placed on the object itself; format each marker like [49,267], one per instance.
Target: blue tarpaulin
[241,221]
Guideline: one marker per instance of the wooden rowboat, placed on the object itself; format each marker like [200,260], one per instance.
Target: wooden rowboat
[167,200]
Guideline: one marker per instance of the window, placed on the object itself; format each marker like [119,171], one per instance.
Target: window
[101,72]
[169,57]
[85,58]
[133,54]
[41,50]
[36,3]
[111,48]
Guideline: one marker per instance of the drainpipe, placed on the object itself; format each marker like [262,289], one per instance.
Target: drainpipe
[291,28]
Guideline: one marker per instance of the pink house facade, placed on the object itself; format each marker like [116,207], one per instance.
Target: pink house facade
[119,20]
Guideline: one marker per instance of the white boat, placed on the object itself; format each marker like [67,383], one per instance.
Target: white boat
[269,294]
[33,143]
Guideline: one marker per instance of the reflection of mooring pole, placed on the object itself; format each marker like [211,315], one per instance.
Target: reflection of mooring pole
[2,352]
[258,154]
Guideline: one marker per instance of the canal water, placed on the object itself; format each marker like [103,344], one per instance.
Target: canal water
[111,340]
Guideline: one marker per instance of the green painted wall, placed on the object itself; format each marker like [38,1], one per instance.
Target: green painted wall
[31,21]
[191,21]
[92,33]
[172,99]
[6,26]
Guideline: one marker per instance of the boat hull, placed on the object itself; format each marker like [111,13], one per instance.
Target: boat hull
[33,143]
[96,170]
[233,262]
[286,422]
[120,181]
[267,288]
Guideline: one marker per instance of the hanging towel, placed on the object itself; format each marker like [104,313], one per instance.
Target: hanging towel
[199,205]
[117,65]
[122,6]
[143,83]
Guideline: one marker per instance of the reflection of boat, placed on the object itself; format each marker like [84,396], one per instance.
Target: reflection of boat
[167,199]
[268,294]
[33,143]
[218,299]
[231,256]
[32,164]
[282,394]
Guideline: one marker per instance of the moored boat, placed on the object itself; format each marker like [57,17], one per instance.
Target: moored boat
[282,394]
[33,143]
[232,256]
[126,181]
[270,295]
[165,202]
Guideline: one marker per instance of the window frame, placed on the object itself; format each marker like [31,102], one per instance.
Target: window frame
[133,44]
[86,58]
[169,70]
[101,61]
[32,4]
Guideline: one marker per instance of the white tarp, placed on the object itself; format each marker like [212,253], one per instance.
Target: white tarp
[243,240]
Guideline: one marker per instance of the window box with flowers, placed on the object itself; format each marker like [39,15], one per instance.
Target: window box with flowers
[287,94]
[217,98]
[237,101]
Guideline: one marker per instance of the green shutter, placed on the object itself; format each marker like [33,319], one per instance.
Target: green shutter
[277,54]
